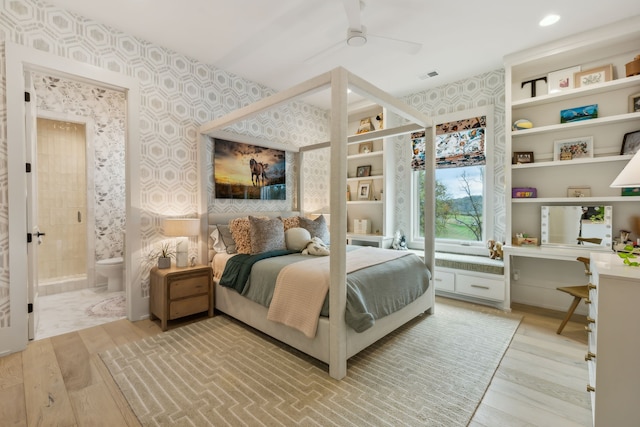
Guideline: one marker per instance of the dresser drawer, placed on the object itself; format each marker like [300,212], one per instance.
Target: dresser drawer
[186,287]
[444,281]
[187,306]
[481,287]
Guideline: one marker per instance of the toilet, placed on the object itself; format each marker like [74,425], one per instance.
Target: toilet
[112,269]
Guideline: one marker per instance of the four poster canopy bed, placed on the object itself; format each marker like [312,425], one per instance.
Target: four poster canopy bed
[344,308]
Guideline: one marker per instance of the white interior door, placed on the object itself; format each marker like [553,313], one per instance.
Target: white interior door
[31,151]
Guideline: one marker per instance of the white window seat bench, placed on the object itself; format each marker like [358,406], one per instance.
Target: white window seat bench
[473,278]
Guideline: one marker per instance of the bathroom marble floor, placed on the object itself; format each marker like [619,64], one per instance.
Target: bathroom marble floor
[74,310]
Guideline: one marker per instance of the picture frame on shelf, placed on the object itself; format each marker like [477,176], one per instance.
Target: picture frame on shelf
[634,103]
[579,191]
[365,147]
[522,157]
[364,189]
[365,126]
[593,76]
[630,142]
[573,148]
[630,191]
[363,171]
[560,80]
[576,114]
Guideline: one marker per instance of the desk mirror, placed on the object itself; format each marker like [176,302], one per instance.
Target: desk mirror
[586,227]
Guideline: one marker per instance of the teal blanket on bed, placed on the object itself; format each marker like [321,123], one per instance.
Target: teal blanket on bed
[238,268]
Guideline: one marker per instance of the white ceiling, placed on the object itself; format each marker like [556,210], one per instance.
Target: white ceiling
[270,41]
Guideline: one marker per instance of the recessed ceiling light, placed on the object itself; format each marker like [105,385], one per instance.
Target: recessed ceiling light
[549,20]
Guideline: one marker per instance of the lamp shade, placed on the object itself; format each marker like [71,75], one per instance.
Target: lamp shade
[181,227]
[630,175]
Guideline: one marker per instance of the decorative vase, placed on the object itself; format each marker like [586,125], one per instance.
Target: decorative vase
[164,262]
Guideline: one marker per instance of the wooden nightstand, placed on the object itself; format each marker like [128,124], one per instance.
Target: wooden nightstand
[178,292]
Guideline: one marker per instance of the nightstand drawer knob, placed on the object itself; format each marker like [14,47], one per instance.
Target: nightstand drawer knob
[590,388]
[589,356]
[591,286]
[587,301]
[588,329]
[591,319]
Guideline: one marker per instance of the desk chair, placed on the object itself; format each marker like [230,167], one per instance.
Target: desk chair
[577,292]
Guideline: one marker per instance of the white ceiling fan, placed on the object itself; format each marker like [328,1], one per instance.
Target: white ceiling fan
[357,35]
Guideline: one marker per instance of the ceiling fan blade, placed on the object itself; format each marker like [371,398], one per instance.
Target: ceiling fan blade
[352,7]
[325,53]
[405,46]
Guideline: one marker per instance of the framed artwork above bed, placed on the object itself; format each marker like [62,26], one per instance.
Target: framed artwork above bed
[246,171]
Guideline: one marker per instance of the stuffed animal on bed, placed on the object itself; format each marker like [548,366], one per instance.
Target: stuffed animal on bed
[316,247]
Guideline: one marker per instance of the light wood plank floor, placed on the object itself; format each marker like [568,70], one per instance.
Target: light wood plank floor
[61,381]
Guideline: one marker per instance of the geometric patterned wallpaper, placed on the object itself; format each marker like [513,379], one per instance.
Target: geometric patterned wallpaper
[177,95]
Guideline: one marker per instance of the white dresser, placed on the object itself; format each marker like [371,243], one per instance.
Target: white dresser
[614,342]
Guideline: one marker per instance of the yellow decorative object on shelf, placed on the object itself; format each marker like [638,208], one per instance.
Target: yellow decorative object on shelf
[522,124]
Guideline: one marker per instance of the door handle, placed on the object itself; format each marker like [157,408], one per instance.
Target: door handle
[38,234]
[79,216]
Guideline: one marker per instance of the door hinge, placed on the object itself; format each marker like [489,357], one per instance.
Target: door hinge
[27,97]
[29,238]
[28,168]
[30,308]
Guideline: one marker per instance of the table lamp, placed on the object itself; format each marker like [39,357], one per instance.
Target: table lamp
[630,175]
[182,228]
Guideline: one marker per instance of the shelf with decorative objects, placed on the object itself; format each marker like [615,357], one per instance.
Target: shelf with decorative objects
[367,163]
[568,144]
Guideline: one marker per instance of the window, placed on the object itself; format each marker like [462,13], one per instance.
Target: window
[464,177]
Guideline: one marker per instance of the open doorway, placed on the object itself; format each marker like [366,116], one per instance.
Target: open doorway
[19,60]
[72,294]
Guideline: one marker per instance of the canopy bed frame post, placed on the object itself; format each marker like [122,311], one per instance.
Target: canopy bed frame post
[338,227]
[430,204]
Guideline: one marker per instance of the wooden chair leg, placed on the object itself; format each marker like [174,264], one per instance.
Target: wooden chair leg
[574,304]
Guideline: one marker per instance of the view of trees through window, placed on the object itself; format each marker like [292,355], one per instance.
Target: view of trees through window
[459,202]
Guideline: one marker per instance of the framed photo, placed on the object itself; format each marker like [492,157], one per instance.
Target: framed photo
[583,191]
[593,76]
[634,103]
[365,147]
[573,148]
[363,171]
[246,171]
[522,157]
[561,79]
[364,189]
[579,113]
[630,142]
[365,126]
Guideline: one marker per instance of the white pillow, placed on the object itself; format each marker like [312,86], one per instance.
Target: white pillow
[218,243]
[296,238]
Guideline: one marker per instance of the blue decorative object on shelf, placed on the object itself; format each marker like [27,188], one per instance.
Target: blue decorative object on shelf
[579,113]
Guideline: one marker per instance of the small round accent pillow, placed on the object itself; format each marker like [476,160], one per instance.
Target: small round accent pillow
[296,238]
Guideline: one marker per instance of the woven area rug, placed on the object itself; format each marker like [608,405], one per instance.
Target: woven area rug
[433,371]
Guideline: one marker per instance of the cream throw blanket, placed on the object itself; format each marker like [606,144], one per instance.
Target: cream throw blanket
[302,287]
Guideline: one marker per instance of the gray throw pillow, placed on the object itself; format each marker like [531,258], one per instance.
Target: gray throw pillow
[266,235]
[227,238]
[317,228]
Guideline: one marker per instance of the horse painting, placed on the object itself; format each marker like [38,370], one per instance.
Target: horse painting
[258,172]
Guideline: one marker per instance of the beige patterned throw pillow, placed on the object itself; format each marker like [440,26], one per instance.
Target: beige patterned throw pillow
[241,234]
[290,222]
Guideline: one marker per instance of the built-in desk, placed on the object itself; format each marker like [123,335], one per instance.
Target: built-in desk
[552,299]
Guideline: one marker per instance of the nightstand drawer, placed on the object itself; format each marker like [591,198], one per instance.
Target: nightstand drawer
[187,287]
[187,306]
